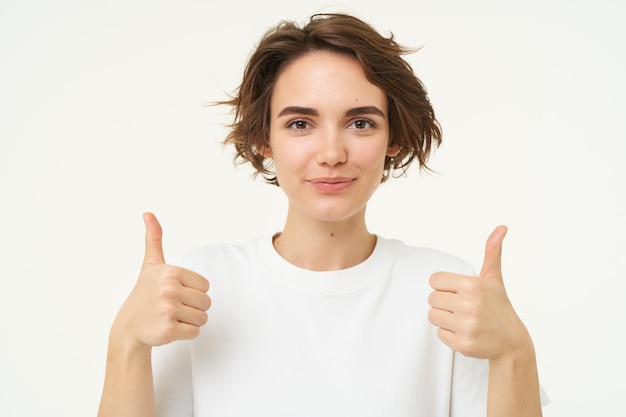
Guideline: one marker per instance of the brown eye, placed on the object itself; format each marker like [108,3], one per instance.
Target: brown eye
[298,124]
[361,124]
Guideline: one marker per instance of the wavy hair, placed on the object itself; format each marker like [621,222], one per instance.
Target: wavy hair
[412,123]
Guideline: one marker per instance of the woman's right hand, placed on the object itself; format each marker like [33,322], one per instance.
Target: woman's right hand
[168,303]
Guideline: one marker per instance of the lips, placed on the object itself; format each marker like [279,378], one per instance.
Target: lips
[331,185]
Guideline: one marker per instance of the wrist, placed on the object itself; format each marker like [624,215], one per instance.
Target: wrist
[514,383]
[125,348]
[521,355]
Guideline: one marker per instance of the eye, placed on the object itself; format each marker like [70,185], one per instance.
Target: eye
[362,124]
[298,124]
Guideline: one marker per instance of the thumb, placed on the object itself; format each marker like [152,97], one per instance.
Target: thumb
[154,240]
[492,263]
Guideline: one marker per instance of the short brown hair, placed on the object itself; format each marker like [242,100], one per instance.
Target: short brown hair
[412,123]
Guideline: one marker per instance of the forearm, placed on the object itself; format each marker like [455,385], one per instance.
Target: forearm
[128,388]
[514,385]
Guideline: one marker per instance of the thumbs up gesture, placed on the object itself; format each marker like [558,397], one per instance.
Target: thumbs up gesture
[474,314]
[168,303]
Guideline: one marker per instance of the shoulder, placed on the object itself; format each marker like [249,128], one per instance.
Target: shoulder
[220,255]
[427,259]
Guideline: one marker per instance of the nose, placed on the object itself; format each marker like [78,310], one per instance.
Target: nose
[331,149]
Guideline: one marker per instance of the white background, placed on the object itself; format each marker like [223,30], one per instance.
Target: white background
[102,118]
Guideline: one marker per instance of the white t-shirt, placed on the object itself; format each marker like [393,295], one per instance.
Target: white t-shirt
[285,341]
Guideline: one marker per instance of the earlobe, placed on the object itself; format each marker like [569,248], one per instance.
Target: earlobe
[265,151]
[393,150]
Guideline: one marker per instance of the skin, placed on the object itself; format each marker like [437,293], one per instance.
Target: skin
[476,318]
[167,304]
[329,136]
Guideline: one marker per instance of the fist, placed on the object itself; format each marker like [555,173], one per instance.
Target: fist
[168,303]
[474,314]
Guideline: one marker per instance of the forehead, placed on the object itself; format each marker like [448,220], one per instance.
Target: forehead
[325,79]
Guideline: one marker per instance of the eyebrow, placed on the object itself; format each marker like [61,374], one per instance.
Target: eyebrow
[298,110]
[365,110]
[355,111]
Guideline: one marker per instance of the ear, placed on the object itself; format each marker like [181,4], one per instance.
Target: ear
[393,150]
[265,151]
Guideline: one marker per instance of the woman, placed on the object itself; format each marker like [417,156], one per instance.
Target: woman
[323,318]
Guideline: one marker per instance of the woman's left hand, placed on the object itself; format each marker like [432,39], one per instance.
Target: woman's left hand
[474,314]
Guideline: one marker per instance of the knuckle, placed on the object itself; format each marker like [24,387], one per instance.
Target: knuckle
[192,332]
[168,291]
[170,273]
[470,308]
[471,327]
[467,345]
[168,331]
[168,310]
[470,285]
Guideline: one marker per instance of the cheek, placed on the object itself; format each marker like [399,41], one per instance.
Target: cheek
[287,159]
[373,156]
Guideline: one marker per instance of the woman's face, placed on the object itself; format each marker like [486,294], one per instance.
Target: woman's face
[329,134]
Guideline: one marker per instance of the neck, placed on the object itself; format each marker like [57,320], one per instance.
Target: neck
[325,246]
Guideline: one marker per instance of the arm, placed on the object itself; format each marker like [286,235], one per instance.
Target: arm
[167,304]
[476,318]
[128,388]
[514,384]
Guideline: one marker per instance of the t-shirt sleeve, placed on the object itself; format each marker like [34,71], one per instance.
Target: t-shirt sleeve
[470,380]
[171,367]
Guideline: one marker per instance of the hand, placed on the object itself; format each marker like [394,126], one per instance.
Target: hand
[168,303]
[474,314]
